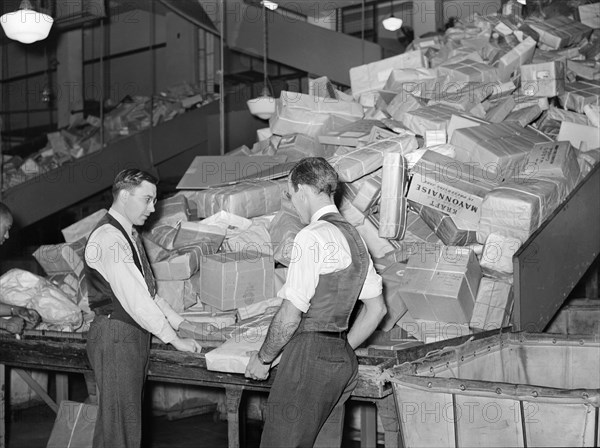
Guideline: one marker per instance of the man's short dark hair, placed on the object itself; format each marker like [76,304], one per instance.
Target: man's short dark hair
[317,173]
[129,179]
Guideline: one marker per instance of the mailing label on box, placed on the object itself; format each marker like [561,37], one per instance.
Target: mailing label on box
[445,198]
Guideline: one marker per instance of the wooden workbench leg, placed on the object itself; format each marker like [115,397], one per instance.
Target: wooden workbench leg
[62,387]
[386,408]
[3,406]
[233,396]
[368,426]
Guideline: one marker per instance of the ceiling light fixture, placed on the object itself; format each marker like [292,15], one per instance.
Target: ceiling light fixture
[263,106]
[269,5]
[26,25]
[392,23]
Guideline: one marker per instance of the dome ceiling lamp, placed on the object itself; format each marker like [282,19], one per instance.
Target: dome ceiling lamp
[263,106]
[392,23]
[26,25]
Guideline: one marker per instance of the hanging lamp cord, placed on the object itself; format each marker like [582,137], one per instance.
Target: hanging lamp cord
[265,91]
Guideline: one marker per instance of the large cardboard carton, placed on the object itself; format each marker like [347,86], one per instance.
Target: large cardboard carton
[442,285]
[232,280]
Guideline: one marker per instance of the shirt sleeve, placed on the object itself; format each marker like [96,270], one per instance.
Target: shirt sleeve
[303,272]
[110,254]
[172,316]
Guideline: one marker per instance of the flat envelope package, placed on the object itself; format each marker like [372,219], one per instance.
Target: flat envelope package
[236,279]
[359,162]
[310,115]
[498,149]
[374,76]
[448,185]
[246,199]
[516,209]
[441,285]
[232,357]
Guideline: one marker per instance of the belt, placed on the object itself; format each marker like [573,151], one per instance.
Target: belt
[331,334]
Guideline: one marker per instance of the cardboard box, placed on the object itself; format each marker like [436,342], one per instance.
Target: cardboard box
[82,229]
[368,191]
[74,425]
[396,308]
[182,263]
[589,15]
[373,76]
[198,233]
[449,186]
[232,357]
[553,159]
[285,226]
[468,70]
[442,285]
[545,79]
[419,82]
[428,118]
[498,149]
[180,294]
[362,161]
[493,305]
[579,94]
[582,137]
[233,280]
[512,61]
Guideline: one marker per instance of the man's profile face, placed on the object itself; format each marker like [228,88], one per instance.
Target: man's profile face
[6,223]
[140,203]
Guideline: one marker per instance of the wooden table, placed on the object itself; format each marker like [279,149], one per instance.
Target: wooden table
[62,354]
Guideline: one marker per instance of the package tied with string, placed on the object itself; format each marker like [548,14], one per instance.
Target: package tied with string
[493,305]
[579,94]
[560,31]
[392,205]
[441,285]
[450,231]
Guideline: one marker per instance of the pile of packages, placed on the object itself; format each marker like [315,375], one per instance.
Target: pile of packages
[451,155]
[131,115]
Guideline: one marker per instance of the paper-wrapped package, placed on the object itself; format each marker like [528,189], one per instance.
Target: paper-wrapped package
[545,79]
[198,233]
[310,115]
[170,212]
[61,258]
[429,331]
[391,279]
[349,135]
[500,109]
[392,205]
[496,258]
[361,161]
[582,137]
[428,118]
[560,31]
[284,228]
[525,116]
[259,308]
[403,103]
[498,149]
[245,199]
[377,246]
[255,238]
[553,159]
[493,305]
[451,231]
[458,121]
[512,61]
[413,158]
[579,94]
[180,294]
[468,71]
[366,192]
[231,280]
[181,264]
[83,228]
[419,82]
[517,209]
[232,357]
[374,75]
[299,146]
[442,285]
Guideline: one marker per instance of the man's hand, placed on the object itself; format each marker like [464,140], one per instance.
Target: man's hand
[186,345]
[256,369]
[31,317]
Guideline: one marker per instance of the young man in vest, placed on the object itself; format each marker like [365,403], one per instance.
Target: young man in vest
[330,272]
[122,293]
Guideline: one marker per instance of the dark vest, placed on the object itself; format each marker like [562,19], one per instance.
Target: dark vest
[336,293]
[101,296]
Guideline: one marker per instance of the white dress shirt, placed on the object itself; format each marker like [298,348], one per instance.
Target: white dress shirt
[109,253]
[321,248]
